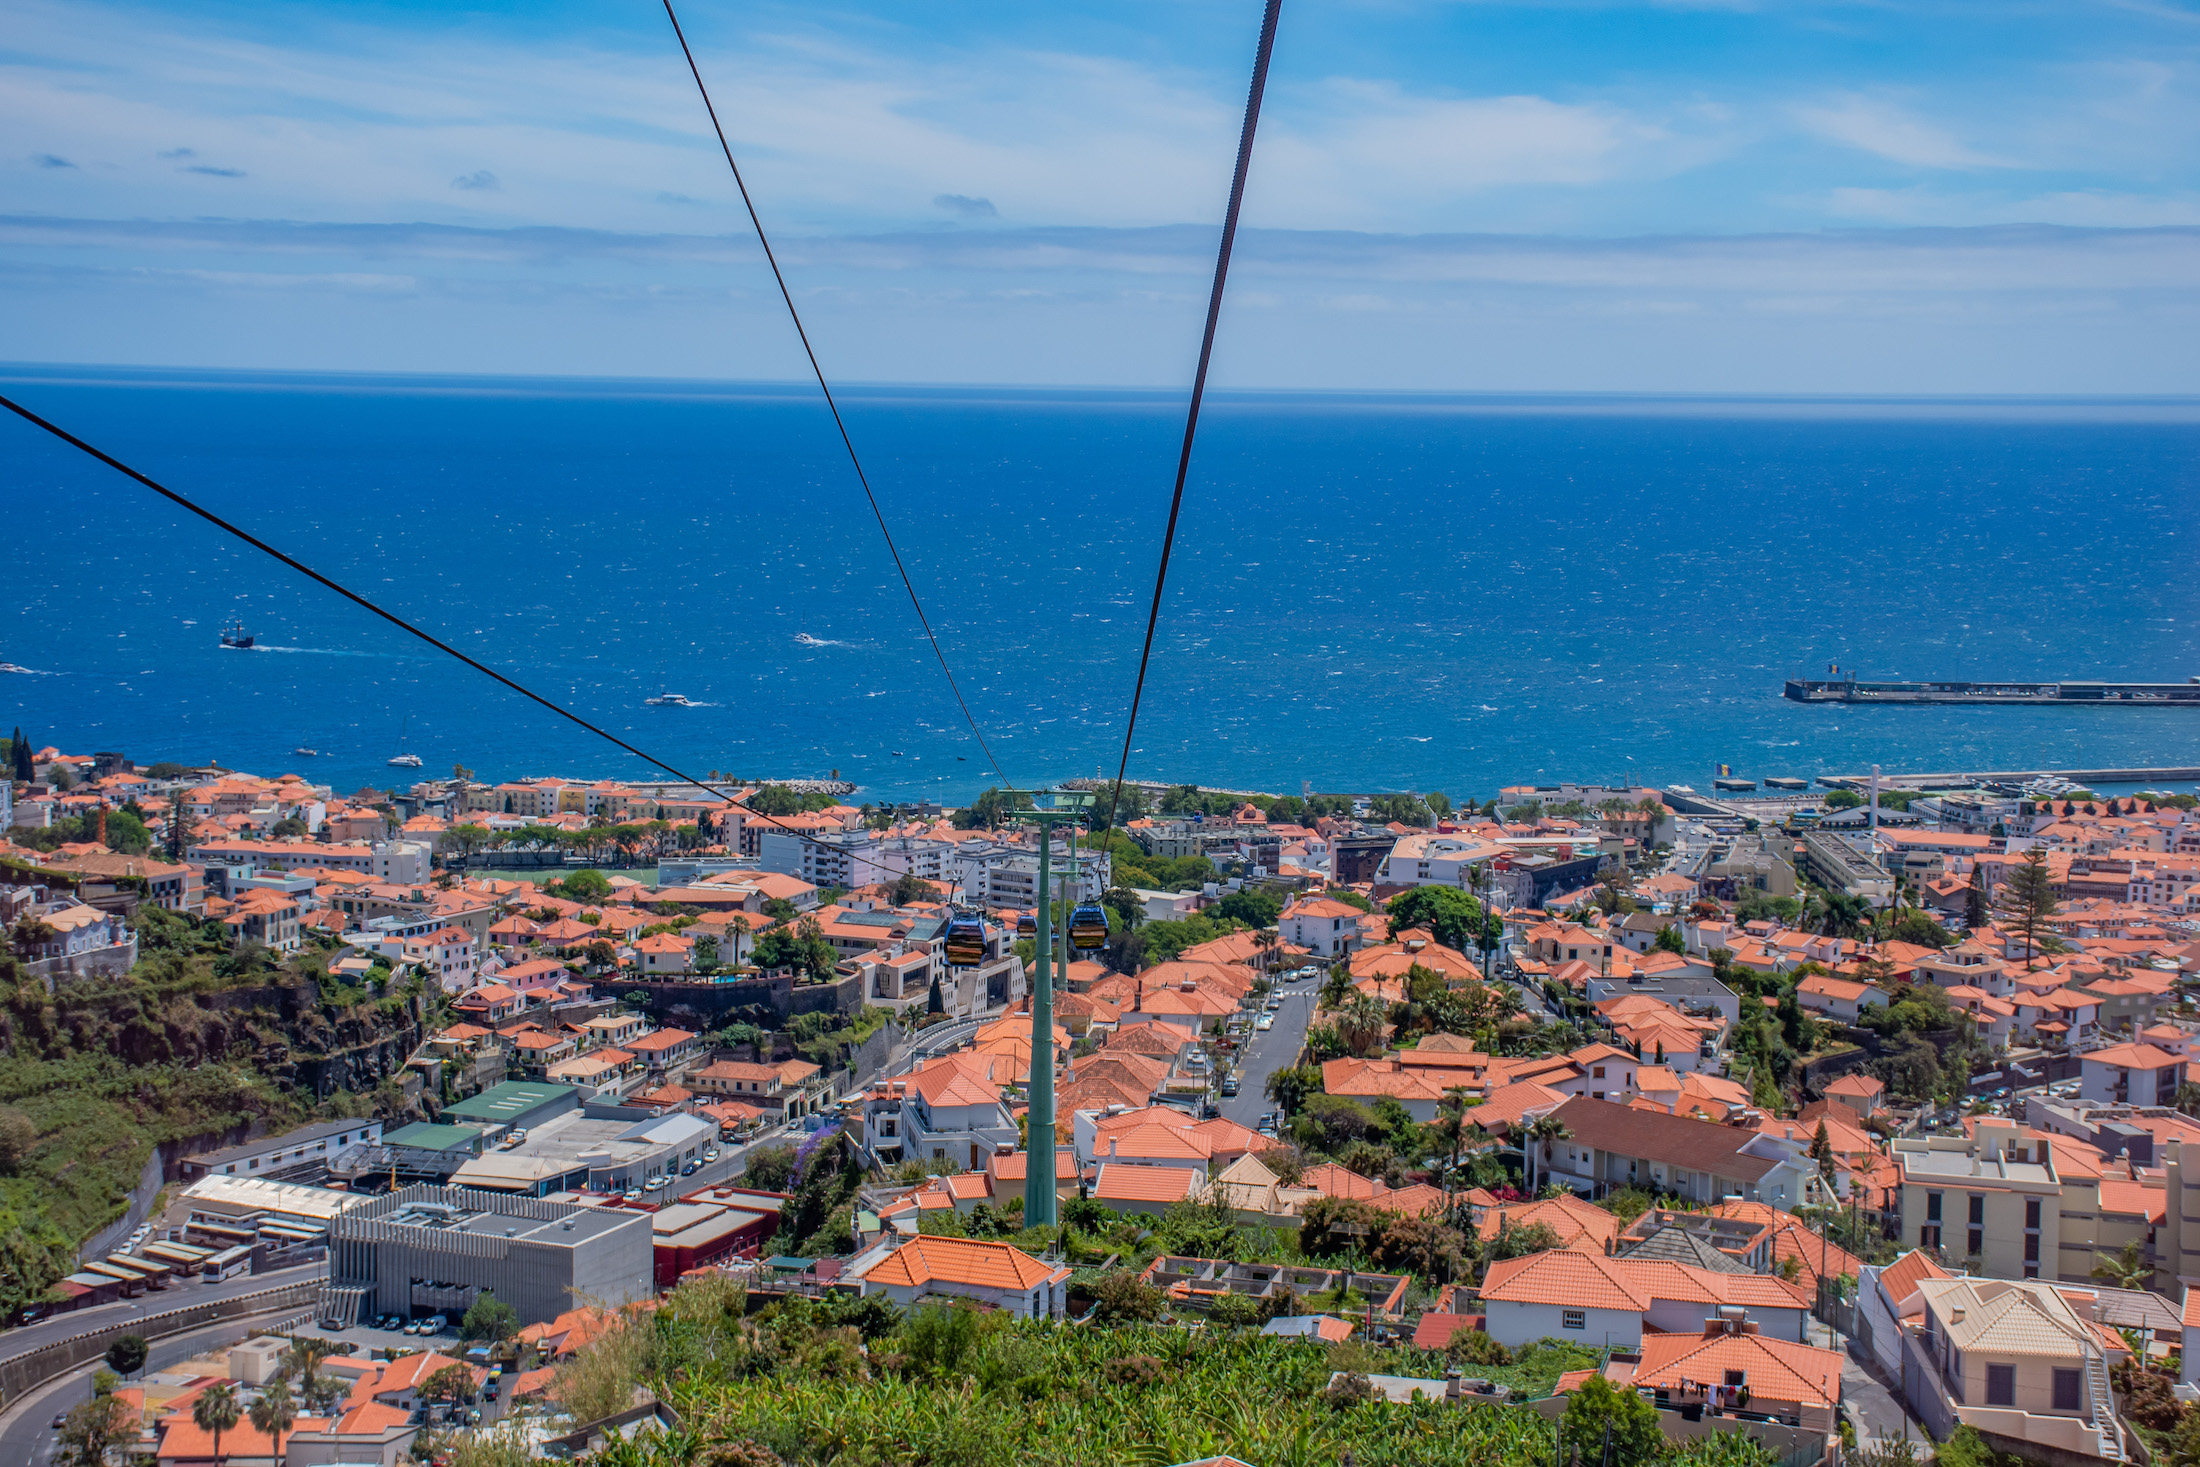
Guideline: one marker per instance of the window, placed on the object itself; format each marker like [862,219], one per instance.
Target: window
[2001,1385]
[1574,1319]
[2068,1392]
[1978,1210]
[1977,1242]
[1932,1207]
[2031,1212]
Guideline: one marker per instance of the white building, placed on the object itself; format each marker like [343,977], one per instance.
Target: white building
[1436,860]
[402,862]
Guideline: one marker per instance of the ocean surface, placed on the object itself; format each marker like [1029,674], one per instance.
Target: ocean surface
[1368,593]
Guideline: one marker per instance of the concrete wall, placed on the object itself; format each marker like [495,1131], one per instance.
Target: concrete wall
[1514,1325]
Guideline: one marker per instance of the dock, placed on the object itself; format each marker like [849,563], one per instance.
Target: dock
[2016,694]
[1958,779]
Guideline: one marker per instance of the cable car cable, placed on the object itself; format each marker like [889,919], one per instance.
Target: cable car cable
[1199,379]
[831,405]
[389,616]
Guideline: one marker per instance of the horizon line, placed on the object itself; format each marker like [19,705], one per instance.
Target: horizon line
[562,383]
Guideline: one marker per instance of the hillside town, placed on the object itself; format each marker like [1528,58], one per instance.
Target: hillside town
[1785,1128]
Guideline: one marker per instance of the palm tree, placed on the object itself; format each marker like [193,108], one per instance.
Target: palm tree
[216,1411]
[2125,1270]
[274,1412]
[1545,1130]
[1337,987]
[303,1359]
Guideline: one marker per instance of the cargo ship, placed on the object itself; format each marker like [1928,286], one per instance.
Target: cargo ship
[2141,695]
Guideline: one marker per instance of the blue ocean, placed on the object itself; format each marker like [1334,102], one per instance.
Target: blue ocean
[1368,592]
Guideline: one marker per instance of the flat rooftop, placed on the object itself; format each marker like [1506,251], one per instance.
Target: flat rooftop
[580,1225]
[258,1194]
[1955,1167]
[574,1140]
[502,1104]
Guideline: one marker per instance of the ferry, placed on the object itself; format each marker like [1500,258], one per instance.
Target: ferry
[234,635]
[405,761]
[668,700]
[303,752]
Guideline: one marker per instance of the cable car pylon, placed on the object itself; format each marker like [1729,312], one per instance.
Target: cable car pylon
[1047,809]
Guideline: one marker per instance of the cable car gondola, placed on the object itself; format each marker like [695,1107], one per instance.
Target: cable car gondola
[1088,928]
[1027,924]
[965,940]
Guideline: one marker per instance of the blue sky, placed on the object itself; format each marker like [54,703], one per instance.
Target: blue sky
[1974,196]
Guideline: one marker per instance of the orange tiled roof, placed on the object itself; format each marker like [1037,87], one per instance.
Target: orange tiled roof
[1778,1370]
[973,1262]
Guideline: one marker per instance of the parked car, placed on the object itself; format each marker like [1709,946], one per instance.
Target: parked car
[1267,1022]
[1230,1086]
[691,1168]
[631,1194]
[712,1154]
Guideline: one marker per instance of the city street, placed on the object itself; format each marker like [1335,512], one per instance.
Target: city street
[1264,1054]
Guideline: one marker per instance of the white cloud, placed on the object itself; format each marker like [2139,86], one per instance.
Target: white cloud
[1880,126]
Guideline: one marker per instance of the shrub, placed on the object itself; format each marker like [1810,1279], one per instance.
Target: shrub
[1134,1371]
[1474,1347]
[1123,1296]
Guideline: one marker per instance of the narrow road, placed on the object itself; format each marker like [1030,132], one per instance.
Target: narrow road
[1264,1054]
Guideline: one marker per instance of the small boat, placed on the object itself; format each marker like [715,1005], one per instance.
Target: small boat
[668,700]
[895,752]
[11,667]
[234,635]
[403,759]
[305,753]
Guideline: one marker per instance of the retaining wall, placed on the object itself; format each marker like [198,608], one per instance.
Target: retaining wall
[33,1368]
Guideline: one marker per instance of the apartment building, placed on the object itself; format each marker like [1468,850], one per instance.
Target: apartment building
[1992,1197]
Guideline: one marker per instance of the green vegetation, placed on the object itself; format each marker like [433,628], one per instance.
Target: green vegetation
[126,832]
[197,1042]
[854,1383]
[779,799]
[1452,917]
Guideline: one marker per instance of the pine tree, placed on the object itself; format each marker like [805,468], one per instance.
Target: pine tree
[20,750]
[1974,901]
[2028,899]
[1821,1151]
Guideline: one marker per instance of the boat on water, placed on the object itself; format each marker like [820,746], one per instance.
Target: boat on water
[404,759]
[234,635]
[11,667]
[305,753]
[668,700]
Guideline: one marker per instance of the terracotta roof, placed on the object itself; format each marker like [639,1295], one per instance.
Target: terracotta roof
[2133,1057]
[972,1262]
[1563,1276]
[1128,1182]
[1434,1331]
[1578,1224]
[1696,1146]
[1777,1370]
